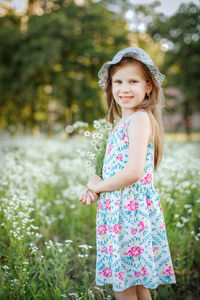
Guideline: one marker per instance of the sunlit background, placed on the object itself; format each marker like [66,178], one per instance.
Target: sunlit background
[56,49]
[167,7]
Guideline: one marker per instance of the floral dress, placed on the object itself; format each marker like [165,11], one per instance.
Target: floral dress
[132,245]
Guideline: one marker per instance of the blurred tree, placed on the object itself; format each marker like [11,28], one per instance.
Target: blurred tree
[10,36]
[179,35]
[54,56]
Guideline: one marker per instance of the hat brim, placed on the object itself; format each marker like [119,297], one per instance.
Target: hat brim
[103,72]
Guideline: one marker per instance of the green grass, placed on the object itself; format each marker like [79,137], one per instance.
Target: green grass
[40,213]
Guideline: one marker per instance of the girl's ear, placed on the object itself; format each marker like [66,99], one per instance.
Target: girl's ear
[149,87]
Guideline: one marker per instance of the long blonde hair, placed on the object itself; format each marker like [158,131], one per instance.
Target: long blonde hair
[152,104]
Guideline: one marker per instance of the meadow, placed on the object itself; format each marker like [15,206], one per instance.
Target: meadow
[47,237]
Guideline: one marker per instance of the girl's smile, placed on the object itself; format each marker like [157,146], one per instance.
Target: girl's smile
[126,99]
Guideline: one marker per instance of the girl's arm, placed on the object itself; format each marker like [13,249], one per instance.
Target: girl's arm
[139,133]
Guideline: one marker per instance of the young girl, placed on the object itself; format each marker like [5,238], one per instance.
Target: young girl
[132,246]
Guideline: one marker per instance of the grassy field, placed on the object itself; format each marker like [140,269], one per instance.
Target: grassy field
[47,238]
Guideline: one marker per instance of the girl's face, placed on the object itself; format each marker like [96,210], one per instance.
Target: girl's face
[129,87]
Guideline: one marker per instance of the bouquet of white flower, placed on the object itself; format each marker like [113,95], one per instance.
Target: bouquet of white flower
[98,140]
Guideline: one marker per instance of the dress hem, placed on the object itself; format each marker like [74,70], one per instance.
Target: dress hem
[102,285]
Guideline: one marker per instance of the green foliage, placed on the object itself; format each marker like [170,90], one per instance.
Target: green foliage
[182,61]
[100,158]
[55,58]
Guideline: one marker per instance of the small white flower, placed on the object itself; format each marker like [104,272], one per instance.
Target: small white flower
[58,244]
[179,224]
[93,142]
[95,135]
[176,216]
[96,124]
[85,246]
[87,133]
[99,135]
[88,163]
[80,255]
[88,154]
[187,205]
[185,220]
[73,294]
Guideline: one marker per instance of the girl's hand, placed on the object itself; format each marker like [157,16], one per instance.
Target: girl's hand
[93,183]
[88,197]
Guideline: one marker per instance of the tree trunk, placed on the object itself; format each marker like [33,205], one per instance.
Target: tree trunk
[187,117]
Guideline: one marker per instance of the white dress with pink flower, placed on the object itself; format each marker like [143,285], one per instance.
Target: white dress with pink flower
[132,245]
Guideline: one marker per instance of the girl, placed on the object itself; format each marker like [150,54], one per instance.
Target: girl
[132,246]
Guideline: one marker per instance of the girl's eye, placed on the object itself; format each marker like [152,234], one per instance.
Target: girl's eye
[133,81]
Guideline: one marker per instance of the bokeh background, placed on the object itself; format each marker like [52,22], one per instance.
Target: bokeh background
[51,119]
[51,51]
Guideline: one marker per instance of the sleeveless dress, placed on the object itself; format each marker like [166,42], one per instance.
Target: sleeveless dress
[131,240]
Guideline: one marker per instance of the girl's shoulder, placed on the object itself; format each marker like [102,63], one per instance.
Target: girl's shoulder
[140,121]
[140,117]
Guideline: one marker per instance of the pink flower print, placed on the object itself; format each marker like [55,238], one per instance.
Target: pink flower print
[149,202]
[110,147]
[104,250]
[117,202]
[141,226]
[135,251]
[116,228]
[160,206]
[148,178]
[124,126]
[105,169]
[108,204]
[143,271]
[102,229]
[111,250]
[151,157]
[120,275]
[137,274]
[123,135]
[169,272]
[107,272]
[132,206]
[155,248]
[134,231]
[120,156]
[162,226]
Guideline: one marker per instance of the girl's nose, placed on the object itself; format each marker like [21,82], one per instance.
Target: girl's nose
[125,87]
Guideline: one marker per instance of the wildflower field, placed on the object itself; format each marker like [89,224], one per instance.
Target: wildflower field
[47,237]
